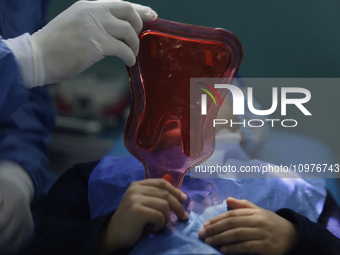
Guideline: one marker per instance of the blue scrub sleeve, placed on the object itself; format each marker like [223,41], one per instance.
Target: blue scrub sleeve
[12,90]
[25,135]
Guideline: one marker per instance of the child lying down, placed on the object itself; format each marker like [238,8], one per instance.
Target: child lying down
[108,208]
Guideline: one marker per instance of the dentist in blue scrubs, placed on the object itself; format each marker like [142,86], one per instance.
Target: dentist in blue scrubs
[80,36]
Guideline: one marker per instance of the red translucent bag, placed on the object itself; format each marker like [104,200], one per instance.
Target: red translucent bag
[164,130]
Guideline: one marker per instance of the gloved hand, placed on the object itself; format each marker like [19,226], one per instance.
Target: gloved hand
[79,37]
[16,222]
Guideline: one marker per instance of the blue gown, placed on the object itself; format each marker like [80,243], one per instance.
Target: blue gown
[26,116]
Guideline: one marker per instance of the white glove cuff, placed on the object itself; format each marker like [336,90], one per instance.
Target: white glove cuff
[16,175]
[38,61]
[21,48]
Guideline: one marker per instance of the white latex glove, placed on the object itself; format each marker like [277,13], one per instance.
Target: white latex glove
[79,37]
[16,193]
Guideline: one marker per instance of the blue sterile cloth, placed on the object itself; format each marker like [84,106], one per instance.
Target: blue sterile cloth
[206,198]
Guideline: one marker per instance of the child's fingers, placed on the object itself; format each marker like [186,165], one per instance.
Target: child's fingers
[234,203]
[153,216]
[163,189]
[230,214]
[163,184]
[253,246]
[227,224]
[157,192]
[244,208]
[158,204]
[167,198]
[235,235]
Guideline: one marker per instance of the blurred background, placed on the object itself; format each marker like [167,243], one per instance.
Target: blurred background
[292,39]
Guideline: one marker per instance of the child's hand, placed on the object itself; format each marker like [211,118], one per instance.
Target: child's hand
[249,229]
[146,201]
